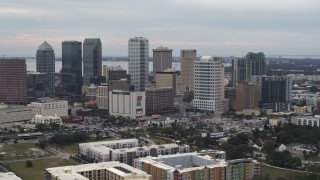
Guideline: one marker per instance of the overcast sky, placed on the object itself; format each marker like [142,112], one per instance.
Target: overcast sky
[213,27]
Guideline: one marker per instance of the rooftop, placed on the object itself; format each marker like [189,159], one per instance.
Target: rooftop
[71,172]
[183,162]
[45,46]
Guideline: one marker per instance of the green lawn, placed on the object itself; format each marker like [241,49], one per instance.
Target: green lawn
[36,172]
[22,150]
[275,173]
[159,140]
[71,148]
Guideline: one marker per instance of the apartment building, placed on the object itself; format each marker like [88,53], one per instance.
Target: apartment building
[127,155]
[195,166]
[84,148]
[96,171]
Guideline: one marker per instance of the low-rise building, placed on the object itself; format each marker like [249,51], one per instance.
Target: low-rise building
[127,104]
[8,176]
[40,119]
[127,155]
[14,114]
[196,166]
[106,170]
[182,166]
[49,107]
[306,121]
[243,169]
[84,148]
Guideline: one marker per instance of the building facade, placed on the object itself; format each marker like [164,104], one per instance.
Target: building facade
[162,59]
[128,155]
[71,72]
[84,148]
[138,48]
[127,104]
[46,64]
[209,84]
[247,96]
[13,77]
[194,166]
[39,119]
[275,92]
[253,64]
[168,78]
[188,58]
[107,170]
[122,84]
[14,114]
[49,107]
[92,59]
[37,85]
[159,101]
[103,97]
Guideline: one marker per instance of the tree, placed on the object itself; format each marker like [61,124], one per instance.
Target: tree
[29,164]
[269,146]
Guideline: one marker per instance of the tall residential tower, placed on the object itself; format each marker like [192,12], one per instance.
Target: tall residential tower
[71,67]
[138,62]
[46,64]
[92,59]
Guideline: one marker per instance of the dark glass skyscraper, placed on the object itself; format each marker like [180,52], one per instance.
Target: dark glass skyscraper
[46,63]
[71,72]
[92,59]
[253,64]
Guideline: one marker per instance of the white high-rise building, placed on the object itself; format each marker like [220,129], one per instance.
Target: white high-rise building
[138,48]
[209,84]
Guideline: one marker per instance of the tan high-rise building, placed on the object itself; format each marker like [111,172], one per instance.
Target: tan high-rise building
[247,96]
[188,58]
[103,96]
[167,78]
[13,81]
[105,71]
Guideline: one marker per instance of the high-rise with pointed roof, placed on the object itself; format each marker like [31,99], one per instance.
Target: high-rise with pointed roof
[92,59]
[46,63]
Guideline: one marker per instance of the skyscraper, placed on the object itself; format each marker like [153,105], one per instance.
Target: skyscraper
[162,59]
[71,67]
[92,59]
[188,58]
[209,84]
[138,48]
[13,81]
[253,64]
[275,92]
[46,64]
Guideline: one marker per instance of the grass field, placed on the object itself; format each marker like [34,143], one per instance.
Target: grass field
[22,150]
[275,173]
[73,148]
[159,140]
[36,172]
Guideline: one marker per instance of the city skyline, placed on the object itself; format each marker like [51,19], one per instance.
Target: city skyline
[221,28]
